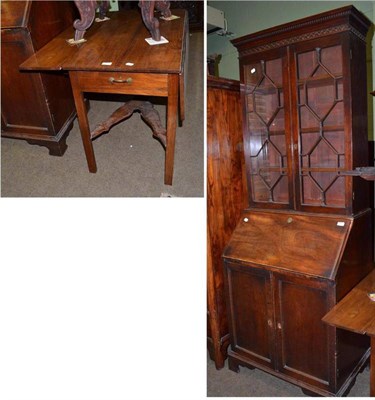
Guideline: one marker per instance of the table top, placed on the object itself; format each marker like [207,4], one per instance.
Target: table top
[119,40]
[355,312]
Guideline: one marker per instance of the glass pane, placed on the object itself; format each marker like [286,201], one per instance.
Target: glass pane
[334,195]
[335,116]
[323,155]
[280,192]
[308,119]
[311,193]
[331,58]
[321,96]
[306,63]
[321,126]
[274,71]
[278,123]
[253,75]
[266,126]
[324,189]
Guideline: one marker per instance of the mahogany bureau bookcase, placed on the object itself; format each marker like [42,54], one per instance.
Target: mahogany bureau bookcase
[305,240]
[115,58]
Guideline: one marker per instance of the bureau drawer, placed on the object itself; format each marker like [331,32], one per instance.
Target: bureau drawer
[122,82]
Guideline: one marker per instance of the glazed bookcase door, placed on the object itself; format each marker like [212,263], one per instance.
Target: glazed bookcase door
[265,96]
[322,150]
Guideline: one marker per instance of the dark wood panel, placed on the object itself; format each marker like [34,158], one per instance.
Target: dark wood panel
[301,305]
[36,107]
[250,300]
[23,103]
[226,196]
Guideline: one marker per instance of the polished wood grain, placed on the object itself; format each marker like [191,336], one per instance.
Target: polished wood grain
[226,197]
[356,311]
[120,40]
[290,241]
[15,13]
[172,114]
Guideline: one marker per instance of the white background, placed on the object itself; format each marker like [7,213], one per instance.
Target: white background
[103,299]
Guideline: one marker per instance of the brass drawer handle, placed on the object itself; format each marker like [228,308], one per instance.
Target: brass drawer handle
[113,80]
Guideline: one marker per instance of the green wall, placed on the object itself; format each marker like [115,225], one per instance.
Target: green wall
[246,17]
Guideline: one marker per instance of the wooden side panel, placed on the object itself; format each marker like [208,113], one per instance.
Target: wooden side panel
[301,305]
[226,196]
[359,95]
[250,304]
[23,107]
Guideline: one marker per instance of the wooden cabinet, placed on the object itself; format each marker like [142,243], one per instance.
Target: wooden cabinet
[305,240]
[36,107]
[226,198]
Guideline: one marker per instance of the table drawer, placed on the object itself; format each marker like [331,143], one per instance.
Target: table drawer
[122,82]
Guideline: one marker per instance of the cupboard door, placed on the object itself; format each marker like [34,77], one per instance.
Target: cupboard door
[266,101]
[320,131]
[303,339]
[251,315]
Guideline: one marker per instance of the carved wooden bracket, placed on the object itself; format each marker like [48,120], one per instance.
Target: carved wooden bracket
[152,23]
[87,9]
[103,8]
[87,13]
[148,113]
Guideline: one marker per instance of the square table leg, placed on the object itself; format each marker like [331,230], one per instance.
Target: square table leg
[172,114]
[83,122]
[372,367]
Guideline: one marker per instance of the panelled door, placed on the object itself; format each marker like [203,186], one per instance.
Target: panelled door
[251,313]
[302,338]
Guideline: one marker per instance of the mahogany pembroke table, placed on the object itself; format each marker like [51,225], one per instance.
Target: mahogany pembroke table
[115,58]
